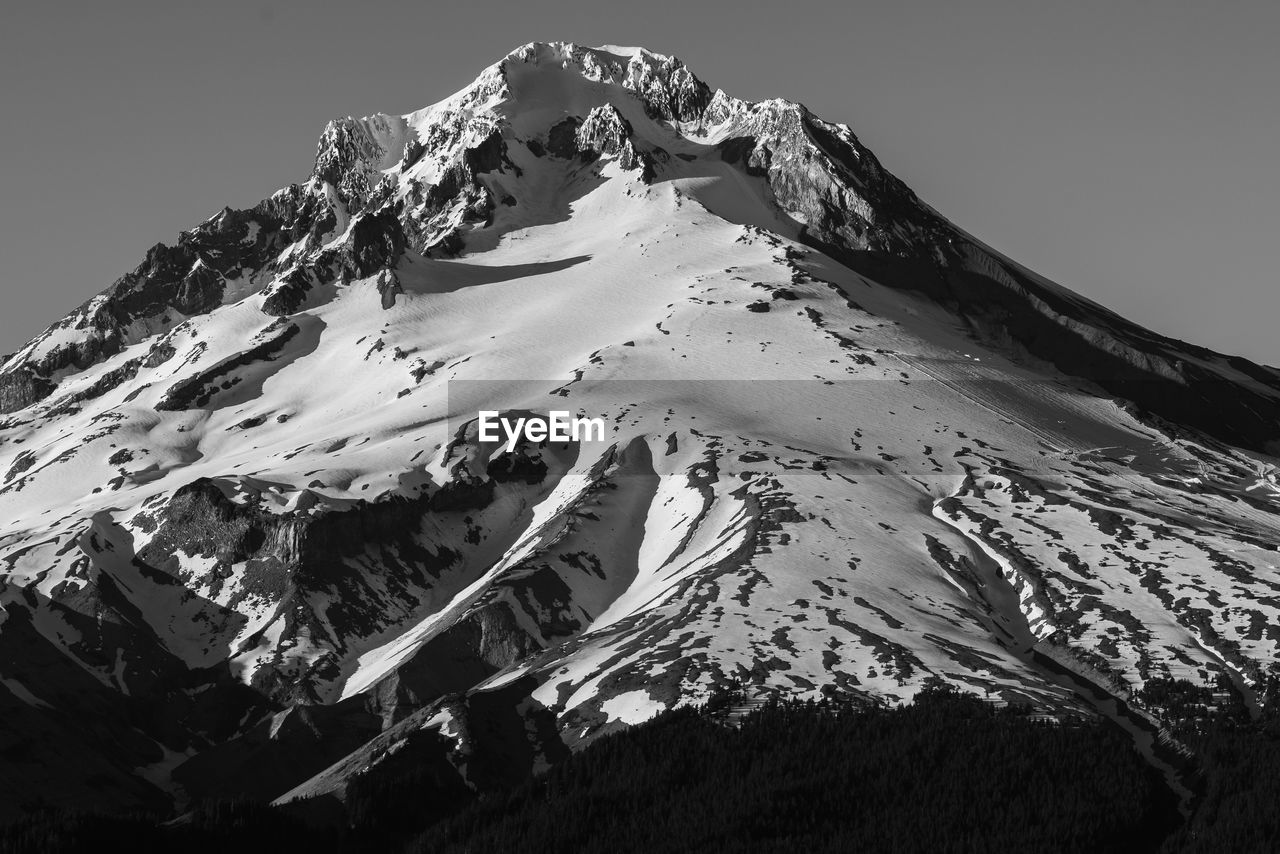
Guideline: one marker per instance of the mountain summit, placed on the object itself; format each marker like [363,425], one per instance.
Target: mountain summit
[254,538]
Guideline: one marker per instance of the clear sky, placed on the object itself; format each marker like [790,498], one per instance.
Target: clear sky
[1125,149]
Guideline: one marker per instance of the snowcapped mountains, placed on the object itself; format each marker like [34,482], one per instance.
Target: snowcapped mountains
[251,541]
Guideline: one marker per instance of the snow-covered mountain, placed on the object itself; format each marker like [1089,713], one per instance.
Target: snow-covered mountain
[251,538]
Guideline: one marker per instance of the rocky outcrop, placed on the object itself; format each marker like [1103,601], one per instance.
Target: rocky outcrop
[464,653]
[388,288]
[374,244]
[377,242]
[604,132]
[170,277]
[172,283]
[350,153]
[746,152]
[21,387]
[288,293]
[436,213]
[562,140]
[95,334]
[197,390]
[666,87]
[303,557]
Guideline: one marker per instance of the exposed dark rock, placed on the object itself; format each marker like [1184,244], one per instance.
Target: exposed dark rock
[605,131]
[169,277]
[110,380]
[450,185]
[21,463]
[467,651]
[289,295]
[338,150]
[101,338]
[172,281]
[21,387]
[292,555]
[463,493]
[670,91]
[516,466]
[160,352]
[458,187]
[744,150]
[197,390]
[316,219]
[562,141]
[344,153]
[489,156]
[413,151]
[200,520]
[388,288]
[449,246]
[377,242]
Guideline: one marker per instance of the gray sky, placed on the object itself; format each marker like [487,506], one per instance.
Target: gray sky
[1124,149]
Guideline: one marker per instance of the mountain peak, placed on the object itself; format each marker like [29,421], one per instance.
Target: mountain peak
[249,510]
[663,83]
[456,176]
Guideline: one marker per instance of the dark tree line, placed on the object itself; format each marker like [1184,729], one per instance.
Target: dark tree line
[947,773]
[1237,755]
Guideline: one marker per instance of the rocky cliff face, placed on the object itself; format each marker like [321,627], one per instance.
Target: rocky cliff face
[252,531]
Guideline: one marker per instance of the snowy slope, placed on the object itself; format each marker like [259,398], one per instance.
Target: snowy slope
[847,446]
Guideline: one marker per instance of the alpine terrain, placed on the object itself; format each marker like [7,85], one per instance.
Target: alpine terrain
[252,542]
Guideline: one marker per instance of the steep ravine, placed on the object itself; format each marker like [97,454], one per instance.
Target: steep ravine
[999,594]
